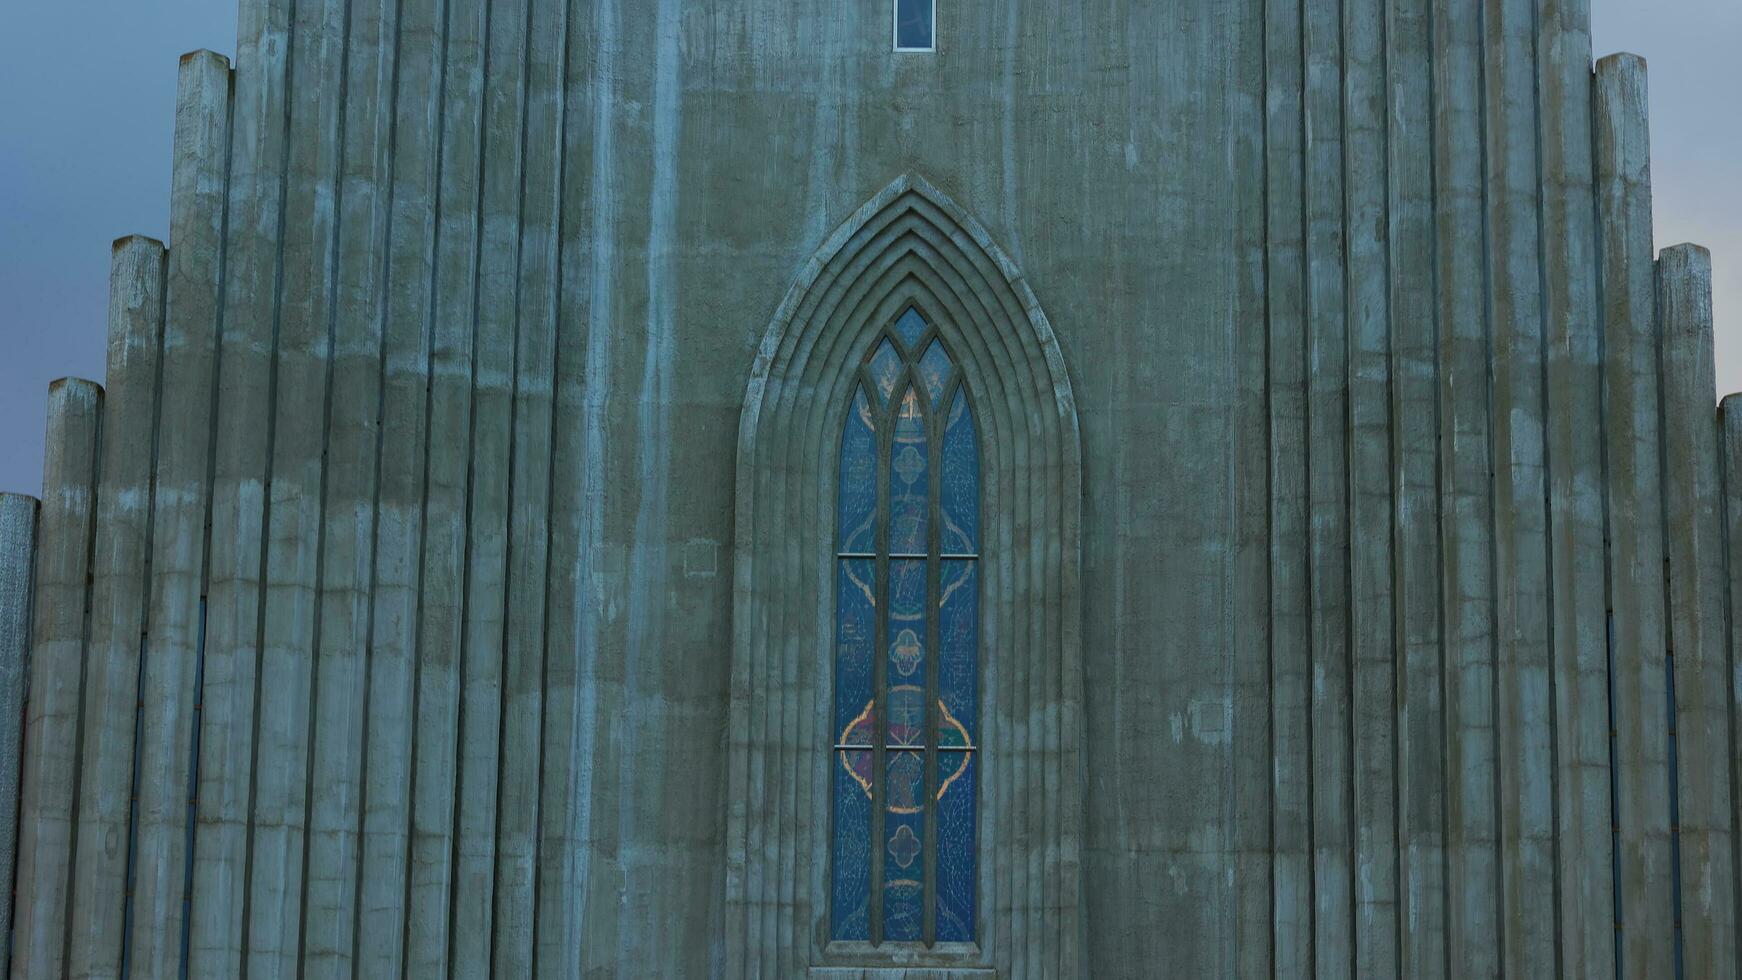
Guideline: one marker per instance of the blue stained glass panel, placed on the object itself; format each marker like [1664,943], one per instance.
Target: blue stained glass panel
[907,638]
[910,327]
[886,368]
[850,888]
[904,847]
[958,653]
[855,654]
[858,491]
[960,503]
[909,480]
[956,836]
[934,372]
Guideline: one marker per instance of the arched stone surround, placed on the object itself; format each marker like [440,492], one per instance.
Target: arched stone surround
[910,244]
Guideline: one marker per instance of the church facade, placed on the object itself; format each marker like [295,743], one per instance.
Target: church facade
[875,489]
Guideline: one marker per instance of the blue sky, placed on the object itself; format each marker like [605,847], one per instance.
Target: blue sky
[87,98]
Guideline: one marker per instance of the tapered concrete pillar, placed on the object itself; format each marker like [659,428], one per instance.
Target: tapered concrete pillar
[17,551]
[167,694]
[1372,549]
[1466,501]
[441,627]
[1631,432]
[60,629]
[1290,621]
[1696,611]
[1572,343]
[242,429]
[117,608]
[348,535]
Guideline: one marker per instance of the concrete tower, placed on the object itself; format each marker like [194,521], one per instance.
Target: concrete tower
[444,581]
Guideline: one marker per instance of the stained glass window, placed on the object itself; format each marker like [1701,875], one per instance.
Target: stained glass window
[915,25]
[907,608]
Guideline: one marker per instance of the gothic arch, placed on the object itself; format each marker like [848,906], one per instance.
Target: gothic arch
[908,245]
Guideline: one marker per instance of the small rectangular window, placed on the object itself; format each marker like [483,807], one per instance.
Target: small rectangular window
[915,25]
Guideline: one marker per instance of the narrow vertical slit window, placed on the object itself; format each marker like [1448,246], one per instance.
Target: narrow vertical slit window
[906,678]
[916,24]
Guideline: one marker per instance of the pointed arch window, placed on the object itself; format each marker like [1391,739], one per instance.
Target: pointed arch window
[906,705]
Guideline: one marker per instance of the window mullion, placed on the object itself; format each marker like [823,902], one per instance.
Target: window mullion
[880,667]
[934,592]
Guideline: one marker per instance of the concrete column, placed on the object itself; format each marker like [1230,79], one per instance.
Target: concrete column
[1466,503]
[1523,731]
[1421,758]
[17,555]
[1249,672]
[168,675]
[59,633]
[481,667]
[118,583]
[526,653]
[1698,640]
[1575,479]
[298,451]
[1369,465]
[386,799]
[571,683]
[1730,449]
[242,432]
[444,557]
[1631,432]
[1327,420]
[1290,619]
[348,534]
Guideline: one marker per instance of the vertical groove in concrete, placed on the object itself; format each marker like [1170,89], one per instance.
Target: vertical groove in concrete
[341,647]
[1523,734]
[398,454]
[1696,610]
[430,869]
[1631,431]
[1290,619]
[118,574]
[496,321]
[59,634]
[1371,475]
[167,692]
[1327,352]
[243,435]
[1472,877]
[17,558]
[1414,338]
[1573,419]
[525,617]
[290,622]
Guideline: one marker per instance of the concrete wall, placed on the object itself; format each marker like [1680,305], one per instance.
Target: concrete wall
[384,605]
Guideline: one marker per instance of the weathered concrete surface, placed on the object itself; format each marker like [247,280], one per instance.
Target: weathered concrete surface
[60,628]
[17,555]
[461,304]
[1698,588]
[104,818]
[1632,430]
[175,622]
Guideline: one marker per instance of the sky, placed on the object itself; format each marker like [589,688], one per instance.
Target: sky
[87,112]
